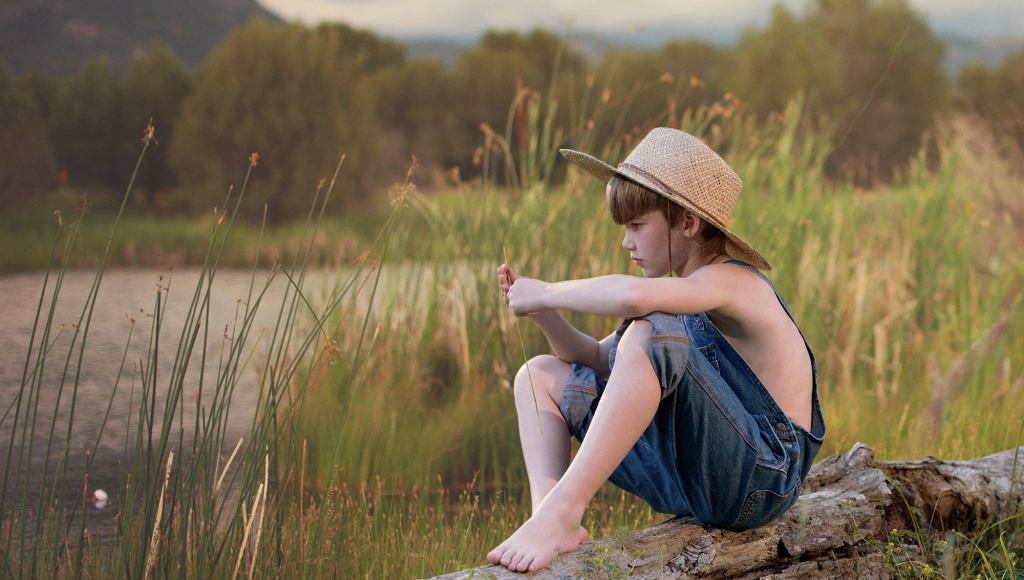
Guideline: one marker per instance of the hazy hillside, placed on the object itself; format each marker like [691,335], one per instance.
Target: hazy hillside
[55,37]
[961,50]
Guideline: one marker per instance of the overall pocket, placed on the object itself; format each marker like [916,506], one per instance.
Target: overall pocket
[771,453]
[763,506]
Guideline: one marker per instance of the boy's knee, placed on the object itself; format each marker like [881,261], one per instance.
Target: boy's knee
[636,336]
[541,367]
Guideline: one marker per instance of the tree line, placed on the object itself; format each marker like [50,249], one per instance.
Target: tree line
[303,96]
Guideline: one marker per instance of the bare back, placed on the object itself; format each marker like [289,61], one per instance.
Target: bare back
[768,340]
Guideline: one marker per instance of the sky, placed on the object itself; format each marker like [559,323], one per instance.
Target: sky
[466,19]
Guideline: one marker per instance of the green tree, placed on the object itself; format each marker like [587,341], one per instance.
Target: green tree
[42,91]
[650,87]
[299,98]
[893,84]
[871,65]
[154,88]
[27,165]
[86,129]
[486,77]
[770,66]
[414,107]
[994,93]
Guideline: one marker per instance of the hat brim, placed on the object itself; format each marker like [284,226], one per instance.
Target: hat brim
[734,247]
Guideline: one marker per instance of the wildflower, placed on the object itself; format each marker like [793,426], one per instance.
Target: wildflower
[254,158]
[60,217]
[667,78]
[695,81]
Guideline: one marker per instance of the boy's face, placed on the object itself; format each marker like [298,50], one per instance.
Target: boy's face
[646,240]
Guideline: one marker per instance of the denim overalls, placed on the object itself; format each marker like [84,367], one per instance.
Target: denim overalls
[719,447]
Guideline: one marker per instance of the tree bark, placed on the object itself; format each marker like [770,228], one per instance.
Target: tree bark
[847,507]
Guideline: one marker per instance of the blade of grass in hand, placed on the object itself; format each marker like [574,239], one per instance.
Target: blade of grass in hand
[526,362]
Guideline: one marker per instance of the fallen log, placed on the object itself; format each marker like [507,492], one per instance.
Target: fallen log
[847,508]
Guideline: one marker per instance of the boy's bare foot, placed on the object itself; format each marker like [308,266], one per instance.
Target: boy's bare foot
[551,531]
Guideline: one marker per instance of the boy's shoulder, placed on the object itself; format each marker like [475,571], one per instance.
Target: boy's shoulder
[733,272]
[746,286]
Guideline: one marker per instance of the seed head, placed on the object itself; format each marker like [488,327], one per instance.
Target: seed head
[149,133]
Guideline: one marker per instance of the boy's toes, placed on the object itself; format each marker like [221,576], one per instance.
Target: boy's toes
[516,565]
[524,564]
[494,556]
[506,558]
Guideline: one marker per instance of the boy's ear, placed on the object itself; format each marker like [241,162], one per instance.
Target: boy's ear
[690,223]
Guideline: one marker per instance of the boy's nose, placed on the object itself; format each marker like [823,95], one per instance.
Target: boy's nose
[628,244]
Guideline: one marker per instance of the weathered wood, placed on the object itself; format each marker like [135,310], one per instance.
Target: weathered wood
[847,506]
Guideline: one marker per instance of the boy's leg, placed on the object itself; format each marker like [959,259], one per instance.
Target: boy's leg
[546,445]
[627,407]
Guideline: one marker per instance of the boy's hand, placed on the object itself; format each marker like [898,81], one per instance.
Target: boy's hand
[524,296]
[506,277]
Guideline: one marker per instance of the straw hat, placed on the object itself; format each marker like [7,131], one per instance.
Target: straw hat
[680,167]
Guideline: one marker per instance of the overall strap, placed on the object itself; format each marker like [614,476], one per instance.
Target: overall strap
[817,420]
[777,295]
[770,284]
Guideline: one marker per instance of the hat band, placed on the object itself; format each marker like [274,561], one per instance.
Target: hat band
[670,190]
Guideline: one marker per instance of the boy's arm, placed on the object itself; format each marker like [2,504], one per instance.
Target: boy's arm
[568,343]
[624,296]
[571,345]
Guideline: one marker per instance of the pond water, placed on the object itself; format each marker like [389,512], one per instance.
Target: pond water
[124,295]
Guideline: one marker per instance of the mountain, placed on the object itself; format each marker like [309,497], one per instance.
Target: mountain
[57,36]
[987,50]
[961,50]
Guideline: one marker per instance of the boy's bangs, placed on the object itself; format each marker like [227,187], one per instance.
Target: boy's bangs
[627,200]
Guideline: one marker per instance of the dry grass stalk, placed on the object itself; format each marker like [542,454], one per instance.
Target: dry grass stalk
[848,354]
[263,511]
[881,334]
[947,387]
[216,488]
[188,539]
[302,488]
[154,541]
[248,528]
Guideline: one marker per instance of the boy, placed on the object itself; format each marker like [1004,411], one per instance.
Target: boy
[703,402]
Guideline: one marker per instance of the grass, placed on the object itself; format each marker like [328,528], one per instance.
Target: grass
[904,294]
[385,443]
[165,242]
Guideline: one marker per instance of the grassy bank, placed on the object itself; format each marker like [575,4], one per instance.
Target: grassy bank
[164,242]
